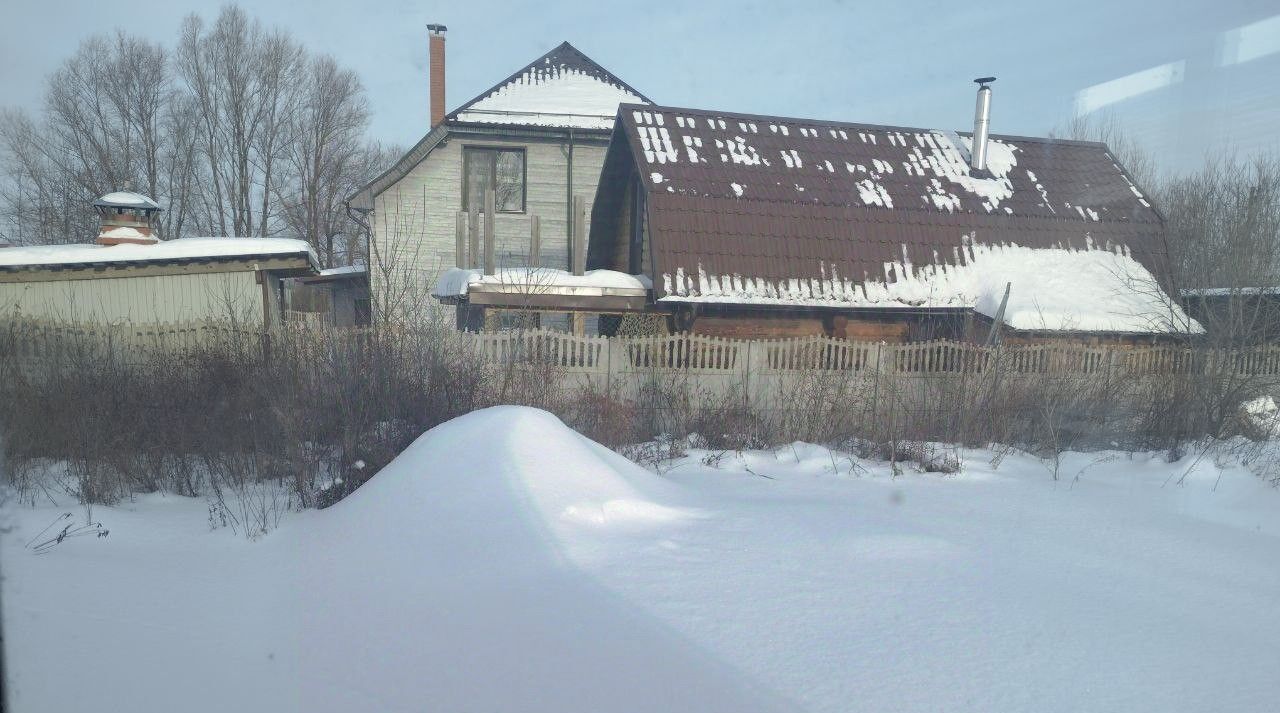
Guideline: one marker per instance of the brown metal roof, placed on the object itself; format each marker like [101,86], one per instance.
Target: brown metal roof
[779,199]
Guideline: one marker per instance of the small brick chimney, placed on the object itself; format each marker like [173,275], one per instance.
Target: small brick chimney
[125,217]
[437,73]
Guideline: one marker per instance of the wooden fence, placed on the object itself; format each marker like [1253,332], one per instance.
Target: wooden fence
[668,378]
[698,354]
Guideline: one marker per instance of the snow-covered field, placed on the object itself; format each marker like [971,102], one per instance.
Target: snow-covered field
[504,563]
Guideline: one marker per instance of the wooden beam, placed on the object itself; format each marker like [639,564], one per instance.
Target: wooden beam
[561,303]
[473,236]
[490,215]
[460,241]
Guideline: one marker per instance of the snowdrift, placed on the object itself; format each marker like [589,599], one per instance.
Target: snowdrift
[503,562]
[447,561]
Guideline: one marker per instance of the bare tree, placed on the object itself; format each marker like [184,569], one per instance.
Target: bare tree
[1224,224]
[244,81]
[1128,152]
[107,126]
[236,131]
[327,158]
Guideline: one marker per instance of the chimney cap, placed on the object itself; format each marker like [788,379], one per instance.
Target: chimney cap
[437,29]
[984,81]
[126,199]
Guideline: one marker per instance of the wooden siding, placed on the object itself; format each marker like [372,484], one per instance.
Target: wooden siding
[758,327]
[414,220]
[142,299]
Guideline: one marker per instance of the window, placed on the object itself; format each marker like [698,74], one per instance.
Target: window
[499,170]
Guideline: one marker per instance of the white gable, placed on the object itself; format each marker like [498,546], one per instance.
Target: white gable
[552,96]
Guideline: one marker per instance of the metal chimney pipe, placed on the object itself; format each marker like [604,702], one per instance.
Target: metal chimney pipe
[436,60]
[981,124]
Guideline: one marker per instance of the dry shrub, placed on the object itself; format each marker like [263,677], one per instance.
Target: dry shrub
[597,413]
[303,409]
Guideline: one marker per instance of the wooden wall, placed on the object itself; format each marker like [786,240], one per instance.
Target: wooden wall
[143,299]
[414,220]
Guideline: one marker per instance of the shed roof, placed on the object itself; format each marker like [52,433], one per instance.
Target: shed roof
[759,209]
[36,257]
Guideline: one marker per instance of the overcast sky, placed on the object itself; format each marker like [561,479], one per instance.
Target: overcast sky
[1186,77]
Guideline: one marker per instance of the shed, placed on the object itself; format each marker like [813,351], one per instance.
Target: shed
[337,297]
[170,281]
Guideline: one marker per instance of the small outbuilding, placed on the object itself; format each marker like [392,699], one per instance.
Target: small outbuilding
[336,297]
[130,275]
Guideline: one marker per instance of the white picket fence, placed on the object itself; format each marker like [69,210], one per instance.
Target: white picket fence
[608,358]
[687,352]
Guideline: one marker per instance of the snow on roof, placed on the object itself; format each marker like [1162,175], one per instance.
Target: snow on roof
[1229,291]
[180,249]
[563,88]
[344,270]
[552,97]
[775,158]
[124,232]
[1092,290]
[126,199]
[455,282]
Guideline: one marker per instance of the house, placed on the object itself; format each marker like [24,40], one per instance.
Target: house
[130,275]
[767,227]
[536,140]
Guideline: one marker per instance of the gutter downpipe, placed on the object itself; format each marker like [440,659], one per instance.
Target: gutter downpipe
[368,232]
[568,202]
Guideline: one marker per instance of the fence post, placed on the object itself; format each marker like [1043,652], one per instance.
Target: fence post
[875,388]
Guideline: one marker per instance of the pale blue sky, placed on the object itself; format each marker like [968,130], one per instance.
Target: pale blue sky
[1211,67]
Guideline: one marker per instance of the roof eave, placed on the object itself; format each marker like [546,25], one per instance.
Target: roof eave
[306,256]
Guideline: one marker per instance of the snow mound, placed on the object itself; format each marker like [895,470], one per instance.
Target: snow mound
[1263,413]
[506,563]
[466,535]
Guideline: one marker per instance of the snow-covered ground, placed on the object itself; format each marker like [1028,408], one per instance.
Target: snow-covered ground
[505,563]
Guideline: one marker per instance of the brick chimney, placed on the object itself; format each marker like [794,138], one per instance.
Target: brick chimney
[125,217]
[437,73]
